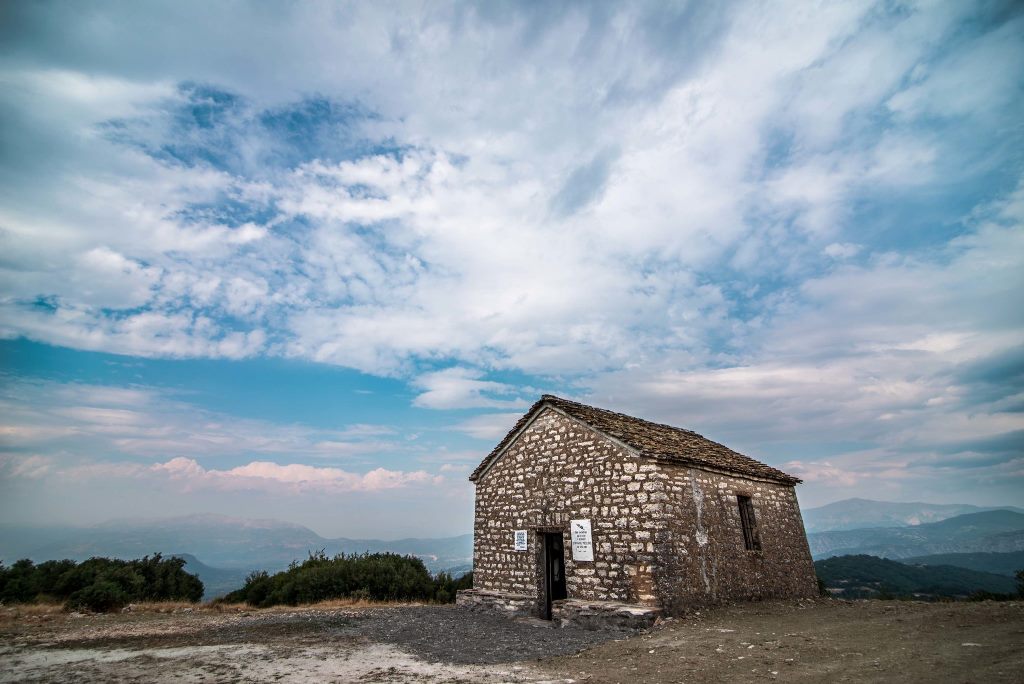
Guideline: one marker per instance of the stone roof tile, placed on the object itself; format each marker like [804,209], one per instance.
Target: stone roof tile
[653,440]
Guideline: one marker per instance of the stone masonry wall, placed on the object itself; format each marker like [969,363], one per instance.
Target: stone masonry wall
[706,559]
[556,471]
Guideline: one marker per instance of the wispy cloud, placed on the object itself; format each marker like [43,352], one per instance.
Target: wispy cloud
[405,242]
[490,426]
[459,388]
[294,476]
[96,423]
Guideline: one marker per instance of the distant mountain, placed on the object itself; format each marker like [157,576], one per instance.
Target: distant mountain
[866,576]
[991,531]
[998,563]
[216,581]
[852,514]
[220,541]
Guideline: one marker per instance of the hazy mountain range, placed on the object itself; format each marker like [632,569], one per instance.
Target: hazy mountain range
[217,542]
[216,581]
[990,531]
[852,514]
[223,550]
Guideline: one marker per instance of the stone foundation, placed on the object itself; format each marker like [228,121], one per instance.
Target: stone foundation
[513,605]
[574,612]
[603,614]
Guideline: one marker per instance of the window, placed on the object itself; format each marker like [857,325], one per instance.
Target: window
[751,540]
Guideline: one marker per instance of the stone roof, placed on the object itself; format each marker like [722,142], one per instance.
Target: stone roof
[653,440]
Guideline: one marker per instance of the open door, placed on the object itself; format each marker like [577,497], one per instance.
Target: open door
[554,570]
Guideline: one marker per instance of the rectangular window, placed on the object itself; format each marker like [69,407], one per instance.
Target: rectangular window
[751,540]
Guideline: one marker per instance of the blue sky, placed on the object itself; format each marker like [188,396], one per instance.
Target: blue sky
[311,260]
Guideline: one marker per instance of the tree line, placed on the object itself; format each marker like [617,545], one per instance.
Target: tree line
[367,576]
[99,584]
[864,576]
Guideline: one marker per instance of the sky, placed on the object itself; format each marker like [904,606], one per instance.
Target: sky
[311,261]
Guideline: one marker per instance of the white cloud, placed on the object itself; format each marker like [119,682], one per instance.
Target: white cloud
[459,388]
[491,426]
[296,476]
[952,88]
[142,424]
[841,250]
[188,474]
[458,254]
[32,466]
[108,279]
[823,472]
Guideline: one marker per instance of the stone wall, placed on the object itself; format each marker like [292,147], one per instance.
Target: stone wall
[663,534]
[706,559]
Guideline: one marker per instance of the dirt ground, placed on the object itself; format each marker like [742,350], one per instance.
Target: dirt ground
[820,641]
[815,641]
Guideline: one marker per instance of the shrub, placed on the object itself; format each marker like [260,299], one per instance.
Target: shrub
[100,581]
[100,597]
[369,576]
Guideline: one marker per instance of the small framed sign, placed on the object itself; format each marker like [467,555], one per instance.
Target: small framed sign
[582,545]
[519,540]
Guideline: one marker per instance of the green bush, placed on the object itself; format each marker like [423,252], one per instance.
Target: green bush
[100,582]
[100,597]
[447,586]
[369,576]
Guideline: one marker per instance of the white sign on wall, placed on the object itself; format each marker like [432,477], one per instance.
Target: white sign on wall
[582,545]
[519,540]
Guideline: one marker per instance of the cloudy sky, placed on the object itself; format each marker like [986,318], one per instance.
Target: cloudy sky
[310,261]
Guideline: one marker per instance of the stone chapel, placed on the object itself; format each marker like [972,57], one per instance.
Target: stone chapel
[584,514]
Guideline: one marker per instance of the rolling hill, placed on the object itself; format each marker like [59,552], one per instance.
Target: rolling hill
[867,576]
[990,531]
[998,563]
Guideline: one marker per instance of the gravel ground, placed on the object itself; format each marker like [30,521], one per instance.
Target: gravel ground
[456,635]
[393,644]
[795,641]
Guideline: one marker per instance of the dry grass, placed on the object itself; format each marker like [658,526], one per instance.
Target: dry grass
[49,610]
[330,604]
[165,607]
[46,611]
[30,611]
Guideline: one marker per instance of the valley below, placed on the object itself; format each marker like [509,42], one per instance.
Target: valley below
[797,641]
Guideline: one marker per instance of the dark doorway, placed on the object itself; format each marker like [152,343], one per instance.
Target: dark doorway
[554,570]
